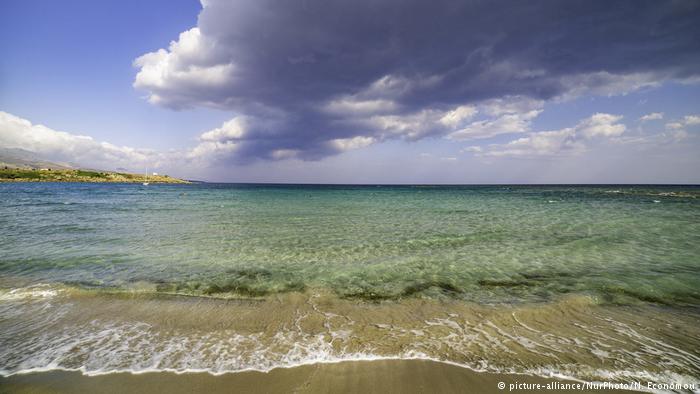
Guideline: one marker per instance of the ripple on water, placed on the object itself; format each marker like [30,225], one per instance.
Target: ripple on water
[63,328]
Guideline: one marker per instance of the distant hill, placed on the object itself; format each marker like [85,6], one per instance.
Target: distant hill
[19,165]
[58,175]
[14,158]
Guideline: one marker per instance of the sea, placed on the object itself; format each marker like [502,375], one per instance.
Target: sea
[589,282]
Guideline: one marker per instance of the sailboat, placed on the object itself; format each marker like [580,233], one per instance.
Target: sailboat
[145,182]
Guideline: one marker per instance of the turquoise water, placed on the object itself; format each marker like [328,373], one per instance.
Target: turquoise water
[598,283]
[489,244]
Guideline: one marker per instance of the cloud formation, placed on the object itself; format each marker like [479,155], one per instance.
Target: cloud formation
[600,141]
[652,116]
[676,129]
[502,117]
[567,141]
[16,132]
[311,78]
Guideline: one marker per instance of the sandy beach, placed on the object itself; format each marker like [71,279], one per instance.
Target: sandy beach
[383,376]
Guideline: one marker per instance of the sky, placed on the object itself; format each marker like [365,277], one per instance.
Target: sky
[364,91]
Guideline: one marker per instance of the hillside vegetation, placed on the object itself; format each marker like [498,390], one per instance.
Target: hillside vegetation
[70,175]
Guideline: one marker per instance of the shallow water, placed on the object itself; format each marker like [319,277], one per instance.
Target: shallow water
[592,282]
[486,244]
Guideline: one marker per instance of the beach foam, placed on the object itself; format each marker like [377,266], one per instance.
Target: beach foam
[36,291]
[101,334]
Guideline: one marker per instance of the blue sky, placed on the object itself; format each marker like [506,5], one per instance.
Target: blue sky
[69,65]
[387,92]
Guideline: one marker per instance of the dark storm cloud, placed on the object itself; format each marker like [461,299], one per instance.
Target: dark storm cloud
[313,77]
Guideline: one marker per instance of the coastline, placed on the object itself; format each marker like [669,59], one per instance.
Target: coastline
[378,376]
[90,334]
[31,175]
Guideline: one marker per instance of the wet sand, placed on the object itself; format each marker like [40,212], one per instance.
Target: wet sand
[383,376]
[574,336]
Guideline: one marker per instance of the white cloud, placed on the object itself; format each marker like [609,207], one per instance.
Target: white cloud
[191,64]
[16,132]
[543,143]
[512,114]
[384,121]
[604,83]
[374,110]
[679,125]
[601,125]
[691,120]
[345,144]
[355,106]
[471,149]
[233,129]
[504,124]
[411,126]
[510,105]
[677,136]
[209,151]
[567,141]
[652,116]
[219,143]
[458,116]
